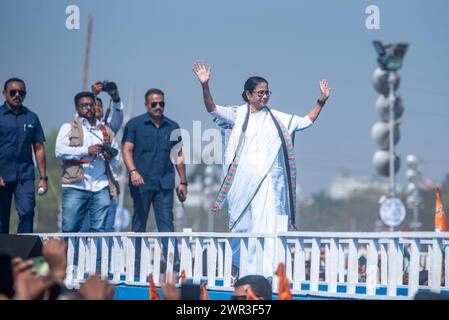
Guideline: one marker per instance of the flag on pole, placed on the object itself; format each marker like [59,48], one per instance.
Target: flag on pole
[440,216]
[204,295]
[154,294]
[284,292]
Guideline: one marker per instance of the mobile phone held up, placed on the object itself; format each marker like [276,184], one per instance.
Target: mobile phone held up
[40,265]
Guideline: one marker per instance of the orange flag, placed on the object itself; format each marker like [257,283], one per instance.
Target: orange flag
[284,285]
[204,295]
[154,294]
[183,276]
[440,216]
[250,295]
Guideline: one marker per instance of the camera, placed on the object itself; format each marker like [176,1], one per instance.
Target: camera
[113,152]
[109,87]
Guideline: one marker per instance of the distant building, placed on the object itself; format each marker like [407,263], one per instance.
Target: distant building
[343,186]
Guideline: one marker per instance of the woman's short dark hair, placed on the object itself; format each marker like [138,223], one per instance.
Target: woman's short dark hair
[153,91]
[83,94]
[251,84]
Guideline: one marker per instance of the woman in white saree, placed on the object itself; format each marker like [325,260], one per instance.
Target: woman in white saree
[260,182]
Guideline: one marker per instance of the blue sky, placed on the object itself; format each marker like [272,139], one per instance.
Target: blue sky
[293,44]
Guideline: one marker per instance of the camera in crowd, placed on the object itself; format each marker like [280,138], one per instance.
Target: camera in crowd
[109,87]
[113,152]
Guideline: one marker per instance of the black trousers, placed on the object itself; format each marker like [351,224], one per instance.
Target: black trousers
[24,197]
[162,200]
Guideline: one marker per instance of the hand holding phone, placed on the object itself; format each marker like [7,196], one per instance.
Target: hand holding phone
[37,264]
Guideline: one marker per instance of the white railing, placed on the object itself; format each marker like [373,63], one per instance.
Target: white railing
[317,263]
[394,262]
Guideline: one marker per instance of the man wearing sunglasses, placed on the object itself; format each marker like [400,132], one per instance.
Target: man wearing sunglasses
[147,149]
[21,134]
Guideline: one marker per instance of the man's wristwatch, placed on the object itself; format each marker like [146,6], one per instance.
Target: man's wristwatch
[184,183]
[45,178]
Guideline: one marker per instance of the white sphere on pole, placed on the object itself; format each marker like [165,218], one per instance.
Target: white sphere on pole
[411,187]
[412,159]
[411,174]
[380,81]
[383,105]
[381,162]
[380,133]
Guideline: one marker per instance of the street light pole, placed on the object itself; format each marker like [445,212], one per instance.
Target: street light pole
[392,78]
[386,80]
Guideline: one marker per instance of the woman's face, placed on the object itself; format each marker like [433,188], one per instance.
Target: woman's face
[259,96]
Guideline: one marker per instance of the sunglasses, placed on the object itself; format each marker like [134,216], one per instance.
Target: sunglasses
[14,92]
[154,104]
[85,105]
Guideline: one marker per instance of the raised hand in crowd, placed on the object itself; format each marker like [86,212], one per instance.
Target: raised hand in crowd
[20,266]
[96,288]
[171,292]
[55,254]
[31,287]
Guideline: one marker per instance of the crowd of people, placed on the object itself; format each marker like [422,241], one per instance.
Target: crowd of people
[22,279]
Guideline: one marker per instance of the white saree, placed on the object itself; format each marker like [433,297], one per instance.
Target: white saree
[259,190]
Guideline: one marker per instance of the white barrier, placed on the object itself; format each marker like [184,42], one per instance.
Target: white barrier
[317,263]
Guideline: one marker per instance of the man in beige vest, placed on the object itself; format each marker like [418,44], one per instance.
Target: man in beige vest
[88,152]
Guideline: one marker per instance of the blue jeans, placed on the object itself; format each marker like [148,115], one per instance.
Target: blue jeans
[110,219]
[78,204]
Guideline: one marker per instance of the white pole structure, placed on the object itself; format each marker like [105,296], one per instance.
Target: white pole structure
[87,52]
[392,78]
[386,81]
